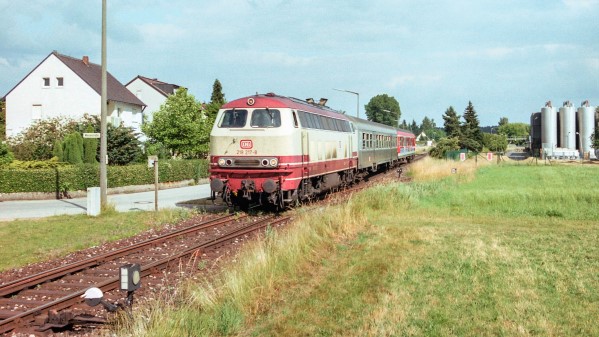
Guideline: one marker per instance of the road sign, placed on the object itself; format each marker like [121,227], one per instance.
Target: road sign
[91,135]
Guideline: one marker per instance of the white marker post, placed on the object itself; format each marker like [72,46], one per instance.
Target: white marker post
[153,161]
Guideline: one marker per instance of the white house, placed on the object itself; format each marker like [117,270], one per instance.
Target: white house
[152,92]
[65,86]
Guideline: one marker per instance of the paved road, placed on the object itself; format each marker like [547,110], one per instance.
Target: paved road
[143,201]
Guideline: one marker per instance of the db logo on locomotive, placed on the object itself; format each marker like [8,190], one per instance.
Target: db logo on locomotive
[246,144]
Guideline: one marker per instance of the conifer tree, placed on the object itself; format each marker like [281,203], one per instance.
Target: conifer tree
[472,137]
[451,123]
[217,93]
[73,148]
[90,147]
[57,150]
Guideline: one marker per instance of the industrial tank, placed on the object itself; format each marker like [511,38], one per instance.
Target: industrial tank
[586,126]
[535,132]
[567,122]
[548,127]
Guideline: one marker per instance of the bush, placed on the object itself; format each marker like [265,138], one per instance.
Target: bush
[54,176]
[6,157]
[73,148]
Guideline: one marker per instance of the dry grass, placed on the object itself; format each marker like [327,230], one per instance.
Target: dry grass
[430,169]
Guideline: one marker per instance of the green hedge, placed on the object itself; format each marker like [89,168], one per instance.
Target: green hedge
[80,177]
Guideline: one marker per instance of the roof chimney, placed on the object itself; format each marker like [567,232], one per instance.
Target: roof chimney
[86,60]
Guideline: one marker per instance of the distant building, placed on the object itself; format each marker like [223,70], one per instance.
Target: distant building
[152,92]
[65,86]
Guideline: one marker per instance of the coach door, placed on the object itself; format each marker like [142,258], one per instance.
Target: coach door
[305,154]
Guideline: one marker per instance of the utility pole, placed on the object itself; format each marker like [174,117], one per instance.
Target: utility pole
[103,113]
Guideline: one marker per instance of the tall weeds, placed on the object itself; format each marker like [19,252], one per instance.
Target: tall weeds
[249,283]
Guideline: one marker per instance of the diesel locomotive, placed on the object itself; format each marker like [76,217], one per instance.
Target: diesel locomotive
[279,151]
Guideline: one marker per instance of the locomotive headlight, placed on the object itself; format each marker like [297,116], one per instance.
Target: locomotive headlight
[221,162]
[274,162]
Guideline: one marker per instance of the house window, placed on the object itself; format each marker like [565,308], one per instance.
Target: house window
[36,111]
[46,81]
[60,81]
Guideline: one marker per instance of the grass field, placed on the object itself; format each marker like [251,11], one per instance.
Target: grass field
[498,251]
[488,251]
[28,241]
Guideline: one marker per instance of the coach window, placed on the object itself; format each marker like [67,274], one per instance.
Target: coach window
[265,118]
[315,121]
[234,118]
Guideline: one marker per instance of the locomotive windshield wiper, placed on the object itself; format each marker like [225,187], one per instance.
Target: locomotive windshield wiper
[272,117]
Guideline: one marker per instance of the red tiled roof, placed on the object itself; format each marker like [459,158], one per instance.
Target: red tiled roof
[162,87]
[91,74]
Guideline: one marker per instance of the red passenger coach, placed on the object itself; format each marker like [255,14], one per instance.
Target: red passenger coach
[406,145]
[280,150]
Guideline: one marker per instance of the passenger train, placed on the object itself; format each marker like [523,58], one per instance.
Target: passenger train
[277,150]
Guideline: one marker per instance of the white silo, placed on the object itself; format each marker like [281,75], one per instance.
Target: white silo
[586,127]
[567,123]
[548,128]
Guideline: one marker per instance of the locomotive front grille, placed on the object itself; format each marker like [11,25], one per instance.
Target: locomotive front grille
[246,162]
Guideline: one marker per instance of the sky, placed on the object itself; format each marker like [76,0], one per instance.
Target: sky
[507,57]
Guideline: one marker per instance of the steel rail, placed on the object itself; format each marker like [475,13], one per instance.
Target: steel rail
[33,280]
[16,321]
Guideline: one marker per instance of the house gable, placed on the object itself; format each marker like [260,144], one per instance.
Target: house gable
[64,86]
[152,91]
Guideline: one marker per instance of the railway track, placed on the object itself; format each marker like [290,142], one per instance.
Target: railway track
[52,299]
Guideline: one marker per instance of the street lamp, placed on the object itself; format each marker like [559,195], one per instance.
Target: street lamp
[358,95]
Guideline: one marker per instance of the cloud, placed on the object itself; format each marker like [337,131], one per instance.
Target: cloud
[416,80]
[4,62]
[581,4]
[593,63]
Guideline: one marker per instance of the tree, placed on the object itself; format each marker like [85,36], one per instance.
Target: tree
[495,143]
[36,142]
[429,127]
[122,144]
[73,148]
[472,137]
[451,123]
[180,126]
[435,134]
[217,93]
[503,121]
[514,130]
[217,100]
[6,157]
[123,147]
[90,147]
[427,124]
[443,146]
[2,120]
[383,109]
[414,127]
[57,150]
[404,125]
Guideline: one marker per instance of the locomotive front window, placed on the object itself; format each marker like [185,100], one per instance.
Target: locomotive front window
[234,119]
[266,118]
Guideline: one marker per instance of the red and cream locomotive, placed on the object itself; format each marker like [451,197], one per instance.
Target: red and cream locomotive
[280,150]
